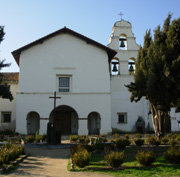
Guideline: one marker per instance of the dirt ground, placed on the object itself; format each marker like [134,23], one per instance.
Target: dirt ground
[48,163]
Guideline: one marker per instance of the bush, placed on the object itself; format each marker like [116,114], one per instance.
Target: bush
[38,138]
[115,159]
[145,157]
[81,158]
[9,153]
[153,141]
[121,143]
[172,155]
[139,141]
[127,136]
[165,139]
[30,138]
[84,139]
[138,135]
[73,138]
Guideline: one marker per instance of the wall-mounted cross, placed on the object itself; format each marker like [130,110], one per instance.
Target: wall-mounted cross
[55,97]
[121,14]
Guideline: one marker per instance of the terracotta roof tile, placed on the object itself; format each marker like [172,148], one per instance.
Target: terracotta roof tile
[10,76]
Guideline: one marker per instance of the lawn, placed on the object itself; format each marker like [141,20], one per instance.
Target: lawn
[131,167]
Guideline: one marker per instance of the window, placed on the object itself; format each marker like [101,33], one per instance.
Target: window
[6,117]
[122,117]
[64,84]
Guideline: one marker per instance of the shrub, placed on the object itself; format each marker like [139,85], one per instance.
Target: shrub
[116,135]
[165,139]
[73,138]
[127,136]
[145,157]
[115,159]
[38,138]
[81,158]
[172,155]
[121,143]
[30,138]
[84,139]
[139,141]
[153,141]
[138,135]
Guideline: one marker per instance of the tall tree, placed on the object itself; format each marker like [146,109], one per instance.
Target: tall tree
[4,88]
[157,73]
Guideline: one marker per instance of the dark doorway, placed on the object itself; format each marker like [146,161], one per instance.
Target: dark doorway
[62,122]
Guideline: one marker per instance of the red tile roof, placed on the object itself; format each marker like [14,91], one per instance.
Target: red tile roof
[10,76]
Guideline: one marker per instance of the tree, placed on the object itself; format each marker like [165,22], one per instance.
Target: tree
[157,73]
[4,88]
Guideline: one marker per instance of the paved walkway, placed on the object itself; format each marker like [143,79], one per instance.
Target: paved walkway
[48,163]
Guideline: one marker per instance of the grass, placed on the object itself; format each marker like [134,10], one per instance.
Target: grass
[131,167]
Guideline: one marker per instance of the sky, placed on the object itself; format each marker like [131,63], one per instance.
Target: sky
[25,21]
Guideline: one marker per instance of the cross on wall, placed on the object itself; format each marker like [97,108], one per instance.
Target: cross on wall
[55,97]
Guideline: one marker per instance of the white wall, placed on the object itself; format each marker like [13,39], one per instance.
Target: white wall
[9,106]
[64,55]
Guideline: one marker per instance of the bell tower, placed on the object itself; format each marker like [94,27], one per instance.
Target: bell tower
[123,41]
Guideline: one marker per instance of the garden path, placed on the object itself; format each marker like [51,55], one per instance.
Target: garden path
[47,163]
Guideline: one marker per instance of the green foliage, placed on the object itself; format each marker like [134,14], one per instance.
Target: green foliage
[10,152]
[83,139]
[138,135]
[115,159]
[80,156]
[172,155]
[139,141]
[74,138]
[157,72]
[145,157]
[30,138]
[4,88]
[153,141]
[121,143]
[165,139]
[116,135]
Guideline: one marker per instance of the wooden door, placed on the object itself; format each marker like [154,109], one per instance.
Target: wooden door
[62,122]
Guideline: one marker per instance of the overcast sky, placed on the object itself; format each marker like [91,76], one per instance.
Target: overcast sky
[29,20]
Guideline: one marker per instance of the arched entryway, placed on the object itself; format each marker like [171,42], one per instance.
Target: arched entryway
[65,120]
[33,122]
[94,122]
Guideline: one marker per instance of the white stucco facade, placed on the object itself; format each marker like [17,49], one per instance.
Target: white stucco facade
[64,55]
[9,107]
[97,101]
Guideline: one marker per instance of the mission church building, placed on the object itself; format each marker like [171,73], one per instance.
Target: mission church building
[78,84]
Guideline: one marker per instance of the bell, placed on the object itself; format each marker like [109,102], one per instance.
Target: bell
[122,42]
[131,68]
[114,66]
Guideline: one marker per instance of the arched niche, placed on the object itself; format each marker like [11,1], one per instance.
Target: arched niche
[94,123]
[33,122]
[115,66]
[131,65]
[123,42]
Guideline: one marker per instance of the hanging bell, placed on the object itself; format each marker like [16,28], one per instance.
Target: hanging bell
[114,66]
[131,68]
[122,42]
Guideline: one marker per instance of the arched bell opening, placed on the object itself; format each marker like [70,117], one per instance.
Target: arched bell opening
[131,65]
[115,67]
[33,123]
[122,42]
[94,123]
[65,120]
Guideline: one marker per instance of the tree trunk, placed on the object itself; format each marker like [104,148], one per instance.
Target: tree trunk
[159,121]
